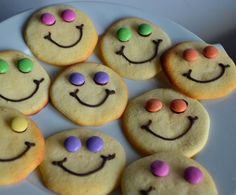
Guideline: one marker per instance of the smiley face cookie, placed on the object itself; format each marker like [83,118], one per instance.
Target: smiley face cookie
[22,146]
[167,173]
[200,70]
[89,94]
[82,161]
[165,120]
[24,82]
[61,35]
[132,47]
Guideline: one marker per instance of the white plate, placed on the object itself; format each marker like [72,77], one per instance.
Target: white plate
[218,156]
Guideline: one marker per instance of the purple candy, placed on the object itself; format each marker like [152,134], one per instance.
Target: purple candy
[160,168]
[68,15]
[193,175]
[101,78]
[77,79]
[48,19]
[95,144]
[72,144]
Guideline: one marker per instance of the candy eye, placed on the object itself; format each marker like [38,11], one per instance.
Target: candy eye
[19,124]
[77,79]
[153,105]
[124,34]
[160,168]
[72,144]
[178,106]
[68,15]
[145,30]
[48,19]
[193,175]
[190,55]
[25,65]
[210,52]
[101,78]
[95,144]
[4,67]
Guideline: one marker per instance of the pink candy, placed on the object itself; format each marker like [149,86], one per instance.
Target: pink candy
[160,168]
[193,175]
[48,19]
[68,15]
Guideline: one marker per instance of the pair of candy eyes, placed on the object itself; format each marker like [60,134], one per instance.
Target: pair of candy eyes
[177,105]
[192,55]
[124,34]
[160,168]
[24,65]
[78,79]
[67,15]
[94,144]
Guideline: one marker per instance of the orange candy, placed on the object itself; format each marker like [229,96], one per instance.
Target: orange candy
[210,52]
[178,106]
[153,105]
[190,55]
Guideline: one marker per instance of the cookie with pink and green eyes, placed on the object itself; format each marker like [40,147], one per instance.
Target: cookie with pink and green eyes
[61,35]
[24,82]
[133,46]
[165,120]
[89,94]
[82,161]
[200,70]
[167,173]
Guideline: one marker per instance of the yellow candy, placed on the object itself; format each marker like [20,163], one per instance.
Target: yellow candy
[19,124]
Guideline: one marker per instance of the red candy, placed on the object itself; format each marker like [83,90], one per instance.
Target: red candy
[190,55]
[210,52]
[178,106]
[153,105]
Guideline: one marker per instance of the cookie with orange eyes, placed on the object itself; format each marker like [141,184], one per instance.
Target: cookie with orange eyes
[165,120]
[167,173]
[61,35]
[132,47]
[200,70]
[89,94]
[82,161]
[24,82]
[21,146]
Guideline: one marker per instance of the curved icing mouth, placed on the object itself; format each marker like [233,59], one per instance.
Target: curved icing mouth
[146,192]
[107,91]
[37,85]
[122,53]
[104,158]
[29,145]
[222,66]
[147,128]
[49,38]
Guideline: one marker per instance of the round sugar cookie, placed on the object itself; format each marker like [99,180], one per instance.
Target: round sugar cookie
[24,82]
[61,35]
[165,120]
[132,47]
[21,146]
[82,161]
[167,173]
[200,70]
[89,94]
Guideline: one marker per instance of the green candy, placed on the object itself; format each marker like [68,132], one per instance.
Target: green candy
[25,65]
[124,34]
[3,66]
[145,29]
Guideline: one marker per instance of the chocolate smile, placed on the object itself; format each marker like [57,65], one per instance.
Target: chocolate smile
[28,146]
[190,118]
[104,160]
[222,66]
[121,52]
[37,85]
[108,93]
[146,192]
[80,28]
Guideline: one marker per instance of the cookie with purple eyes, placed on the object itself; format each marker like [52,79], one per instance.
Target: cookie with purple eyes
[61,35]
[200,70]
[167,173]
[165,120]
[89,94]
[24,82]
[21,146]
[133,46]
[82,161]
